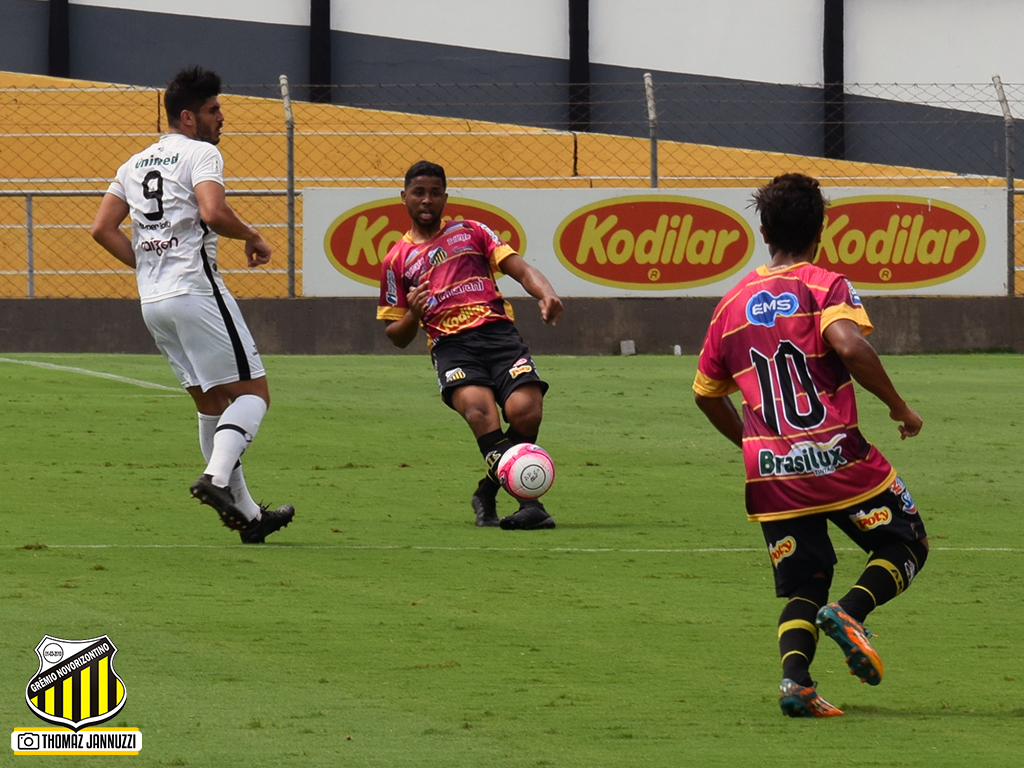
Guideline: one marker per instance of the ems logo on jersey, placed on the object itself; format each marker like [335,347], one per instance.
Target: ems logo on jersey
[76,685]
[763,308]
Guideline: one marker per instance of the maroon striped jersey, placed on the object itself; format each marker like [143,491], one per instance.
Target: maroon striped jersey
[802,448]
[461,262]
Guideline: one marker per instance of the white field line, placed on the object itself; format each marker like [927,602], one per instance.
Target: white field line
[98,374]
[556,550]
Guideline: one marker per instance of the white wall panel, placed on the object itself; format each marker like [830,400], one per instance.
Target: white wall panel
[938,41]
[289,12]
[530,27]
[772,42]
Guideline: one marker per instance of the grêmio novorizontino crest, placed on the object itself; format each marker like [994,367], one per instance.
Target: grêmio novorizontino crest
[76,684]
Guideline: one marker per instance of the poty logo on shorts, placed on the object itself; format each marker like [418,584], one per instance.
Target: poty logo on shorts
[780,550]
[876,517]
[520,367]
[804,458]
[455,374]
[763,307]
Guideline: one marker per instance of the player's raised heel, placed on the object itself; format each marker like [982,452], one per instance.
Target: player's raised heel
[852,637]
[220,499]
[271,520]
[485,506]
[803,701]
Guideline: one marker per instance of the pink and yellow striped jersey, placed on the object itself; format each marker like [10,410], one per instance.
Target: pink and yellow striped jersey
[802,449]
[461,262]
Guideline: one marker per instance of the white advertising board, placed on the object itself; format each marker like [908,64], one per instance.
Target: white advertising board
[675,242]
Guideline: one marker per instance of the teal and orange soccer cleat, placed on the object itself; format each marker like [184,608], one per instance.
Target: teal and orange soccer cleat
[803,701]
[852,637]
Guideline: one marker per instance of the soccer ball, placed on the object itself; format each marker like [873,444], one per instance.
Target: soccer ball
[526,471]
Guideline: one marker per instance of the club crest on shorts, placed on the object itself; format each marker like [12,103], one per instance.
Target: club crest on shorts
[76,684]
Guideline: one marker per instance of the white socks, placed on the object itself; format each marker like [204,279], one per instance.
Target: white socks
[223,439]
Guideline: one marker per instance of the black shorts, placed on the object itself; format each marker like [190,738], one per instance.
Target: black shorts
[493,355]
[801,547]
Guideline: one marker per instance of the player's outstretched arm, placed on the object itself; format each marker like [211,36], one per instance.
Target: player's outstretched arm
[106,229]
[536,285]
[866,368]
[222,219]
[723,416]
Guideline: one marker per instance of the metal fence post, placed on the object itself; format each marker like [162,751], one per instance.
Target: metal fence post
[289,125]
[30,256]
[652,124]
[1011,249]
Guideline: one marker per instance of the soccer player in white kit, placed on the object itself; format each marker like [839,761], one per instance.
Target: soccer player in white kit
[174,192]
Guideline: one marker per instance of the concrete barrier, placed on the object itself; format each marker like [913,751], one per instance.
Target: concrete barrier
[336,326]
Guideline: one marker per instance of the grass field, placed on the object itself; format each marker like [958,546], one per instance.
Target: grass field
[383,629]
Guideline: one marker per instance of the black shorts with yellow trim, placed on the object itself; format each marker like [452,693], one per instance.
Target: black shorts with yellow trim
[491,355]
[800,547]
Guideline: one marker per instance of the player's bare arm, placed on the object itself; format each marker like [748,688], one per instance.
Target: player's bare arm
[222,219]
[106,229]
[402,332]
[866,368]
[536,285]
[723,416]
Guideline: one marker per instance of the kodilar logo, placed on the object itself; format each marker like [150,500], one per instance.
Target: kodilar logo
[653,242]
[897,241]
[76,684]
[359,239]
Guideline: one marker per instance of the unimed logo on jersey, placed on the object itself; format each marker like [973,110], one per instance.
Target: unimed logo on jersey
[359,239]
[76,689]
[896,241]
[654,242]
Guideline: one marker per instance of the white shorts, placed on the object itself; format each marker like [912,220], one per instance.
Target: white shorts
[205,339]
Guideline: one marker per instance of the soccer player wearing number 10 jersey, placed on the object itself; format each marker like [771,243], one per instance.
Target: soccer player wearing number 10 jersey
[174,193]
[790,338]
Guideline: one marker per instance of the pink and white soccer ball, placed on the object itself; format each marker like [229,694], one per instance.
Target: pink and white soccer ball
[526,471]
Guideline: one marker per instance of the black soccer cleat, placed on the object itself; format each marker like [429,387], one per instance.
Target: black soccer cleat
[220,499]
[270,520]
[485,505]
[531,516]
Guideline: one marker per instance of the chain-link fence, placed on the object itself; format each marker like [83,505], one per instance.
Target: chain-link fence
[59,147]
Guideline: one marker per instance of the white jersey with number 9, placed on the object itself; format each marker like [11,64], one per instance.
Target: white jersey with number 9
[175,252]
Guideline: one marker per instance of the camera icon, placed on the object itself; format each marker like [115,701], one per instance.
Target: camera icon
[27,741]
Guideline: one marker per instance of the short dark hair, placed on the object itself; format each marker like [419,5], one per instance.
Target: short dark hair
[189,89]
[426,168]
[792,210]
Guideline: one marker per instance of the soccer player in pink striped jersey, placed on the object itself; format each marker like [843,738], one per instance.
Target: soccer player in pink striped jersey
[790,338]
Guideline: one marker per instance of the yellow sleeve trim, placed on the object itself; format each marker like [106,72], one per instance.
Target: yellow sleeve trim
[846,312]
[708,387]
[390,313]
[501,253]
